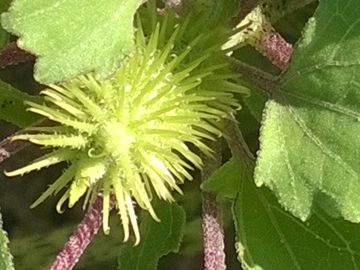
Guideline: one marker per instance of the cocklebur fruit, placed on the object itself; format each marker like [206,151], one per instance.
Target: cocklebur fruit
[129,136]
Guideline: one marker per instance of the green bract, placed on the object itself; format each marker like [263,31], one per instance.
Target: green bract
[130,135]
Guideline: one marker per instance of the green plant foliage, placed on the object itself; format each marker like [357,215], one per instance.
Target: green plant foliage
[124,136]
[218,11]
[12,107]
[135,124]
[255,103]
[6,259]
[225,181]
[4,36]
[159,238]
[270,238]
[73,37]
[310,143]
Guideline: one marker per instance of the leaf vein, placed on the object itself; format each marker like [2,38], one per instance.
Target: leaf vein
[324,104]
[276,226]
[313,138]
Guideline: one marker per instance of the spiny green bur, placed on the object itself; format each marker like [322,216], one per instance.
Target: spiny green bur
[129,135]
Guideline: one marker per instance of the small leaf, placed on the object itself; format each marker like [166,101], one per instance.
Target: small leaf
[4,36]
[73,37]
[310,145]
[157,238]
[255,103]
[6,259]
[225,181]
[270,238]
[12,107]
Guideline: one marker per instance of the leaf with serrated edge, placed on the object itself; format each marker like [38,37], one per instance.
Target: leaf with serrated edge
[310,145]
[12,107]
[270,238]
[73,37]
[157,238]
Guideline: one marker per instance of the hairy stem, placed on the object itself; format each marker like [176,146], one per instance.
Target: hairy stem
[259,33]
[13,55]
[9,148]
[236,142]
[276,49]
[213,232]
[81,238]
[255,77]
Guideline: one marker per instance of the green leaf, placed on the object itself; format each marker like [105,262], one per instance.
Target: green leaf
[157,238]
[270,238]
[225,181]
[4,36]
[255,103]
[6,259]
[73,37]
[310,145]
[12,107]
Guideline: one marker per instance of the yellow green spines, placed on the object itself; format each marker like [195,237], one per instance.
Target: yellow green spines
[129,135]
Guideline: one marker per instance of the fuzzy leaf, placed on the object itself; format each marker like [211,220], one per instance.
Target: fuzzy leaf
[157,238]
[4,36]
[310,145]
[73,37]
[6,259]
[264,227]
[12,107]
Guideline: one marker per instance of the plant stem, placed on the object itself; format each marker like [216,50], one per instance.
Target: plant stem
[236,142]
[259,33]
[213,232]
[263,37]
[13,55]
[9,148]
[276,49]
[81,238]
[255,77]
